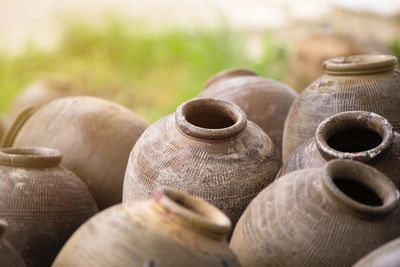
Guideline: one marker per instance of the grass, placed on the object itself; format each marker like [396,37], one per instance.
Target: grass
[150,73]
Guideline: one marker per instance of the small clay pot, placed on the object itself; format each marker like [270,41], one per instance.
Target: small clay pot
[95,137]
[356,135]
[266,102]
[42,202]
[365,82]
[170,230]
[387,255]
[329,216]
[9,257]
[207,148]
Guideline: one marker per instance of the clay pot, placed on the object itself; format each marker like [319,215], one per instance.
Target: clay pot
[366,82]
[170,230]
[329,216]
[207,148]
[95,137]
[9,257]
[356,135]
[266,102]
[42,202]
[387,255]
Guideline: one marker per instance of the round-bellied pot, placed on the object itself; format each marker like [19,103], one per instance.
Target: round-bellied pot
[42,202]
[9,257]
[207,148]
[356,135]
[365,82]
[387,255]
[329,216]
[95,137]
[170,230]
[266,102]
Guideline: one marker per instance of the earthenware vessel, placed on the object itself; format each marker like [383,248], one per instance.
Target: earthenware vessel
[365,82]
[95,137]
[207,148]
[266,102]
[356,135]
[171,230]
[328,216]
[9,257]
[387,255]
[42,202]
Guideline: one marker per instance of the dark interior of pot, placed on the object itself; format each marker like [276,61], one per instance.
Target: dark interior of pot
[357,191]
[354,140]
[209,118]
[184,203]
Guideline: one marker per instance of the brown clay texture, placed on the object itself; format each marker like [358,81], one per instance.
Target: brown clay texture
[266,102]
[9,257]
[172,231]
[95,137]
[305,219]
[367,83]
[387,255]
[42,202]
[228,172]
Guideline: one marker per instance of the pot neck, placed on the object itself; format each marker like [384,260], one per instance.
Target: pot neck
[228,74]
[208,119]
[193,213]
[356,135]
[359,189]
[30,157]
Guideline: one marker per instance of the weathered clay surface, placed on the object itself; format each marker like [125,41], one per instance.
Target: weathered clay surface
[387,255]
[9,257]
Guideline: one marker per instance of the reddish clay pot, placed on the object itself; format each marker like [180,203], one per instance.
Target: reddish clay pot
[207,148]
[9,257]
[170,230]
[42,202]
[366,82]
[329,216]
[387,255]
[95,137]
[266,102]
[356,135]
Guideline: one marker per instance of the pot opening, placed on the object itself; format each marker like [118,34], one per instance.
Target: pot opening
[357,191]
[355,140]
[210,119]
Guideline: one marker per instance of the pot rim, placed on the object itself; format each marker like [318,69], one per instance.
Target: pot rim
[228,74]
[30,157]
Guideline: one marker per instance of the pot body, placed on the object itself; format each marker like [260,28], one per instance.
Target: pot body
[9,257]
[387,255]
[95,137]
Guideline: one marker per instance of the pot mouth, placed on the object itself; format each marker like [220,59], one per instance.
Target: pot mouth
[199,214]
[360,64]
[210,119]
[3,227]
[356,135]
[359,188]
[30,157]
[228,74]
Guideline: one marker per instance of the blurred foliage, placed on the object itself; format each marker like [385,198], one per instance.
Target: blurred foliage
[395,47]
[150,73]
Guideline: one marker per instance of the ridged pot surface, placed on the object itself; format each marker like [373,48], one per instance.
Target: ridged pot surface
[95,137]
[171,230]
[365,82]
[387,255]
[357,135]
[225,159]
[266,102]
[9,257]
[330,216]
[42,202]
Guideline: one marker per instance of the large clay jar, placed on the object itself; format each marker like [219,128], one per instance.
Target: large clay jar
[387,255]
[95,137]
[9,257]
[207,148]
[329,216]
[356,135]
[170,230]
[366,82]
[42,202]
[266,102]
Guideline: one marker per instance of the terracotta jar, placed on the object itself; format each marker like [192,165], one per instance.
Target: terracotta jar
[170,230]
[207,148]
[266,102]
[9,257]
[329,216]
[387,255]
[42,202]
[95,137]
[356,135]
[366,82]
